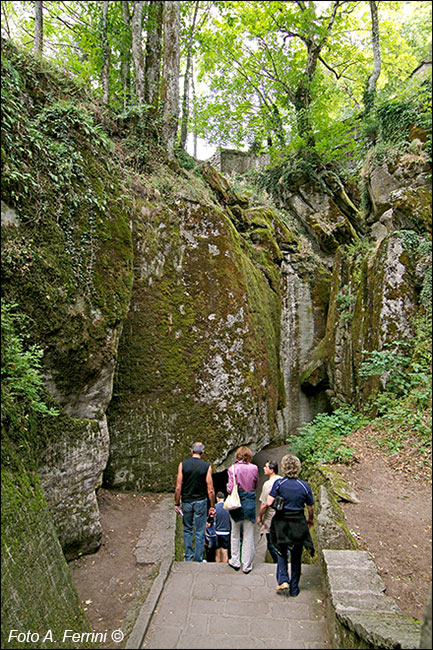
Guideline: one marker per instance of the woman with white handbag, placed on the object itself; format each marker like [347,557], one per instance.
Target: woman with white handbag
[243,477]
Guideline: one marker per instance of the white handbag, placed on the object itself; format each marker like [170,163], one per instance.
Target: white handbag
[233,501]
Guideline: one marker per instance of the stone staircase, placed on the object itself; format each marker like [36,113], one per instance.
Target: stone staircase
[211,606]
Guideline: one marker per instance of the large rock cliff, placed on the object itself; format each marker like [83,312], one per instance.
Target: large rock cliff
[201,349]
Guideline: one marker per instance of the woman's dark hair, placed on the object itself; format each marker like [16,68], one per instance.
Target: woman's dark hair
[273,465]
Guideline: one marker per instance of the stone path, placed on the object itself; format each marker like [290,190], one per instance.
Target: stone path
[208,605]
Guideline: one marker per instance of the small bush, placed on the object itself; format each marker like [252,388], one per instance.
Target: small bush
[322,440]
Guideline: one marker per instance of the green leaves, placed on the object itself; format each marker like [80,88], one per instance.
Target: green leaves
[322,440]
[251,58]
[21,366]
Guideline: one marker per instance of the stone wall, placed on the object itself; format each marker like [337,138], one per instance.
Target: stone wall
[231,161]
[359,614]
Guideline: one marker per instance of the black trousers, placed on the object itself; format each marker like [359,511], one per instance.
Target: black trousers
[295,566]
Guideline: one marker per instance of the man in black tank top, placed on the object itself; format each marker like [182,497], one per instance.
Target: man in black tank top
[194,486]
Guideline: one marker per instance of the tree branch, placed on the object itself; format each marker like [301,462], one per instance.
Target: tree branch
[418,67]
[71,27]
[70,11]
[4,12]
[338,75]
[352,96]
[371,84]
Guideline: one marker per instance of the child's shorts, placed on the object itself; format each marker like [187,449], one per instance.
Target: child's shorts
[223,541]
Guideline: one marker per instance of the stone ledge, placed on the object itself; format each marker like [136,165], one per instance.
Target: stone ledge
[155,546]
[359,614]
[156,542]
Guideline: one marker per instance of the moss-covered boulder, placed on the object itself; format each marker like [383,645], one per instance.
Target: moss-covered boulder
[399,191]
[67,265]
[325,222]
[37,591]
[70,466]
[199,354]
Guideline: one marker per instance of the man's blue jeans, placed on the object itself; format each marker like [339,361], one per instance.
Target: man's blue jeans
[194,519]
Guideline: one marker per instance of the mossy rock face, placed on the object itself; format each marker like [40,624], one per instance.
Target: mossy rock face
[373,302]
[304,293]
[221,187]
[70,470]
[403,185]
[199,353]
[318,210]
[37,590]
[67,264]
[314,373]
[413,206]
[331,530]
[67,256]
[340,487]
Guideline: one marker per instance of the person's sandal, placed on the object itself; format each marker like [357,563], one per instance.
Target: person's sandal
[282,588]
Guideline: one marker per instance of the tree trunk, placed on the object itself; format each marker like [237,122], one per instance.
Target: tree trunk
[39,30]
[126,59]
[170,80]
[303,113]
[195,137]
[277,126]
[187,80]
[137,50]
[302,95]
[302,99]
[153,53]
[370,87]
[105,55]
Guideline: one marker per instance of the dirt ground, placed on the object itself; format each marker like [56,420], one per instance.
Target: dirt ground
[393,521]
[111,586]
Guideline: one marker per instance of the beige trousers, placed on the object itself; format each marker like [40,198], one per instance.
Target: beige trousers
[245,557]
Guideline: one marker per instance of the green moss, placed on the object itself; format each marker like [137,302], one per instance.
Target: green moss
[315,477]
[68,263]
[33,563]
[202,308]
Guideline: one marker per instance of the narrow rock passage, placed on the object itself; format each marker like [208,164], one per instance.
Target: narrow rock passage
[212,606]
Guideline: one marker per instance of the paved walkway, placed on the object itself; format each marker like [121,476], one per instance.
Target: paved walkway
[208,605]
